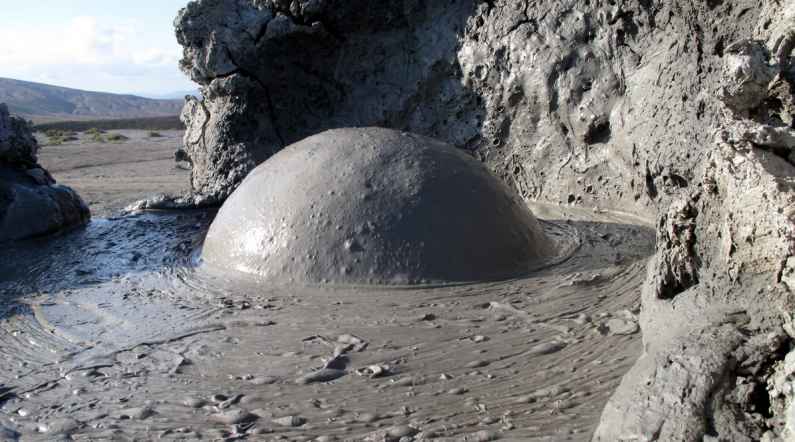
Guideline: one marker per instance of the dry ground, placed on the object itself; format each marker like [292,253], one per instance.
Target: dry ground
[111,175]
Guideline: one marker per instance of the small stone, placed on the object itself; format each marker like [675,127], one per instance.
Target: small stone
[525,399]
[458,391]
[367,417]
[322,375]
[405,382]
[547,348]
[231,401]
[618,326]
[338,362]
[374,371]
[59,426]
[400,431]
[264,380]
[477,364]
[484,436]
[137,413]
[233,417]
[552,391]
[194,402]
[489,420]
[582,319]
[290,421]
[358,343]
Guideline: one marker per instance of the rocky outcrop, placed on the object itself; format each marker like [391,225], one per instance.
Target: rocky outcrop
[274,73]
[677,109]
[31,203]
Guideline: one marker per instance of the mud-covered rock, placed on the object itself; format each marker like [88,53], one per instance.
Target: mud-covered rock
[17,144]
[31,203]
[358,63]
[682,111]
[717,295]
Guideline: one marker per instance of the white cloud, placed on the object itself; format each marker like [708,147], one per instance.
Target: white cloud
[111,55]
[83,40]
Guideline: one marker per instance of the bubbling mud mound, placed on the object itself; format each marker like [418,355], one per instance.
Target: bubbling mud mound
[375,206]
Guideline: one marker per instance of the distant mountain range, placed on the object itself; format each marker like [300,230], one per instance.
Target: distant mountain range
[37,101]
[172,95]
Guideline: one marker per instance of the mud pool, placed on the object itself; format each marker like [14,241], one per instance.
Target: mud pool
[109,332]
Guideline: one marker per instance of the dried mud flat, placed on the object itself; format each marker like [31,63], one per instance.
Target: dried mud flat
[109,332]
[112,175]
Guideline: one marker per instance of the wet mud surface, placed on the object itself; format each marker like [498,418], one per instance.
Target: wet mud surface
[109,332]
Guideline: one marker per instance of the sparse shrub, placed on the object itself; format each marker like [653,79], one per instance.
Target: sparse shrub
[154,134]
[56,136]
[148,123]
[95,135]
[69,135]
[117,138]
[94,131]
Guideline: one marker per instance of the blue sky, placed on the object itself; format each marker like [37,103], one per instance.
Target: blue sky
[122,46]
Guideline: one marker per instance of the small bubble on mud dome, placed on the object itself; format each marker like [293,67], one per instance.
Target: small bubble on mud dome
[391,235]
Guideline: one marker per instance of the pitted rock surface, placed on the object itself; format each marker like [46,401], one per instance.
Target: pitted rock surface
[375,206]
[31,203]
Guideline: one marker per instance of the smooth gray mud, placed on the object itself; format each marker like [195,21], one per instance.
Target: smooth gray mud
[375,206]
[110,332]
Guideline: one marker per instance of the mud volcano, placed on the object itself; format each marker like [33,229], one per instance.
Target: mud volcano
[374,206]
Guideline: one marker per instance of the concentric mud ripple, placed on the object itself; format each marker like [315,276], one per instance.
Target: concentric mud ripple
[111,334]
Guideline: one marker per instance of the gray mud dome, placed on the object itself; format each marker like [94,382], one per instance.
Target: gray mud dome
[125,340]
[375,206]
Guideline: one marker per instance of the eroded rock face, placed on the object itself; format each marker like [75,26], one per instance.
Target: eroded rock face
[375,206]
[359,63]
[673,109]
[31,203]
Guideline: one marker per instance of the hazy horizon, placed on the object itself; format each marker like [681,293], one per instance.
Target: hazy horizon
[123,48]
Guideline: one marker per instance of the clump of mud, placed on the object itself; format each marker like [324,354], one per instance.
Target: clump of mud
[375,206]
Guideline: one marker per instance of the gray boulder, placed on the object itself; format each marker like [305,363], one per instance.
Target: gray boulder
[31,203]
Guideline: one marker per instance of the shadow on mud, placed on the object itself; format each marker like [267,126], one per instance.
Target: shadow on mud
[103,251]
[162,242]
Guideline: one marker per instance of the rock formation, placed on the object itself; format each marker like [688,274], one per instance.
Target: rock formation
[31,203]
[374,206]
[678,109]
